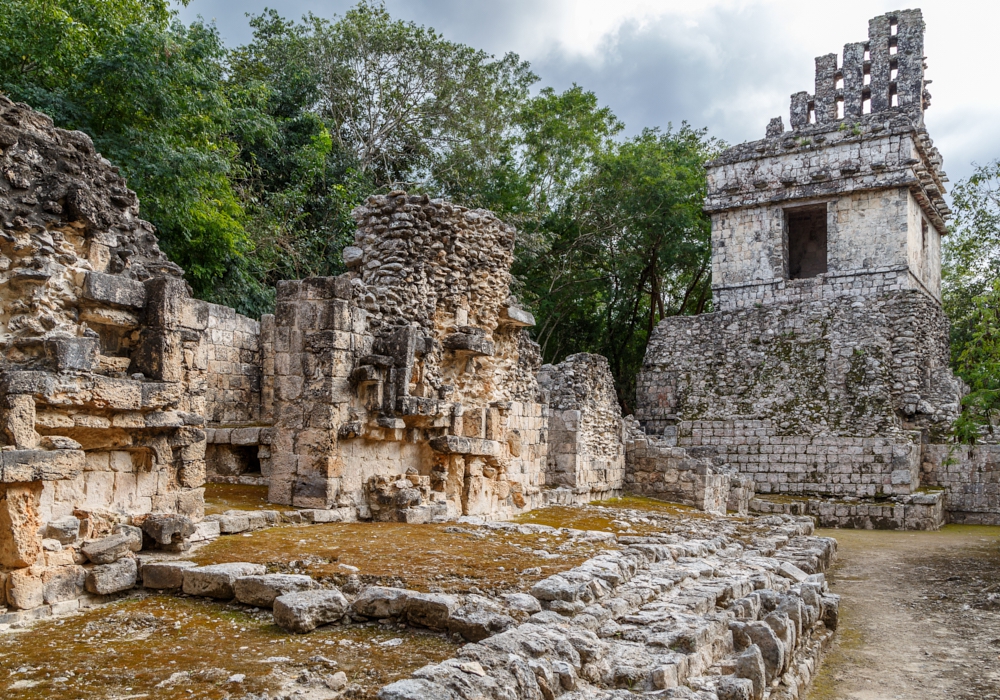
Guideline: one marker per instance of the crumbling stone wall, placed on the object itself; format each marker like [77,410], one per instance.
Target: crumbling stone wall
[970,477]
[102,374]
[829,384]
[810,398]
[405,388]
[586,433]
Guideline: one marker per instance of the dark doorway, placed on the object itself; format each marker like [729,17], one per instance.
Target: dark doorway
[806,241]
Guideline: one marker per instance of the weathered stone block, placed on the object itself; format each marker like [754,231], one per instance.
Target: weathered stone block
[25,590]
[40,465]
[168,528]
[216,580]
[63,583]
[262,590]
[20,544]
[306,610]
[115,290]
[113,578]
[108,549]
[165,574]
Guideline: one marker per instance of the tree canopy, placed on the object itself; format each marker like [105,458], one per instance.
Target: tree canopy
[250,159]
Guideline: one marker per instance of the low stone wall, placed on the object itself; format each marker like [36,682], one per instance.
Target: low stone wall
[971,478]
[803,464]
[692,616]
[921,511]
[232,347]
[586,433]
[656,469]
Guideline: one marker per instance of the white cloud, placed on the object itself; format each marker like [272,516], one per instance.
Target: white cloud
[726,64]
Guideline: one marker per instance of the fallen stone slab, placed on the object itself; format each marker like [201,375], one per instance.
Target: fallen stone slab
[261,591]
[132,532]
[522,602]
[231,523]
[430,610]
[216,580]
[112,578]
[380,602]
[66,530]
[789,570]
[475,624]
[165,574]
[304,611]
[415,689]
[108,549]
[168,528]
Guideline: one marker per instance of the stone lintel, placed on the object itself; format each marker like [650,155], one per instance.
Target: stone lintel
[457,445]
[40,465]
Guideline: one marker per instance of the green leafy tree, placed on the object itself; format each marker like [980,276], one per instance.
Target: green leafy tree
[631,248]
[971,278]
[149,91]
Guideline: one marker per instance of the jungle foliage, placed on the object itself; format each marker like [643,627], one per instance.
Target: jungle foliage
[249,161]
[971,276]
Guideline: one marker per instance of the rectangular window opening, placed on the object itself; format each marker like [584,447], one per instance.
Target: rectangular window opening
[840,109]
[866,106]
[839,85]
[893,28]
[812,115]
[923,235]
[893,50]
[868,79]
[806,228]
[895,100]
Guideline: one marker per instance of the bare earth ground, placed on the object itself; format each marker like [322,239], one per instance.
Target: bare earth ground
[919,617]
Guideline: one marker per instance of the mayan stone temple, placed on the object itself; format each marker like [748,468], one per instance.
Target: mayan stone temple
[401,414]
[824,369]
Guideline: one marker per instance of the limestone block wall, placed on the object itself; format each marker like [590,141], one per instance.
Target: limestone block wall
[309,347]
[970,477]
[810,397]
[586,433]
[878,174]
[657,469]
[804,464]
[405,389]
[102,372]
[232,344]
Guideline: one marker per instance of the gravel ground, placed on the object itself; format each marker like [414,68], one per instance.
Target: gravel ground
[920,616]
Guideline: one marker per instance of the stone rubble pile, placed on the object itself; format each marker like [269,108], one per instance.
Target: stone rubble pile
[694,617]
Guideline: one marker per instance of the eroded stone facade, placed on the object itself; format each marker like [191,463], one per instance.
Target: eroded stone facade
[102,373]
[824,368]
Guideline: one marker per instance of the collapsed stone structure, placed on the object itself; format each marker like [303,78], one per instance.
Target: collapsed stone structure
[101,377]
[823,370]
[406,389]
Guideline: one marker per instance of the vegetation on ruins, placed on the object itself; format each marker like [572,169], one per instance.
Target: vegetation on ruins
[972,298]
[250,160]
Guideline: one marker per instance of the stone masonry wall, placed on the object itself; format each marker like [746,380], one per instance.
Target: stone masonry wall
[971,479]
[586,433]
[232,343]
[102,372]
[658,469]
[809,398]
[406,388]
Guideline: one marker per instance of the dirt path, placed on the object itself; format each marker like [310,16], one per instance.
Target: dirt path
[920,616]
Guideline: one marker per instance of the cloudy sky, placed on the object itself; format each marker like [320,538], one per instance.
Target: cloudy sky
[729,65]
